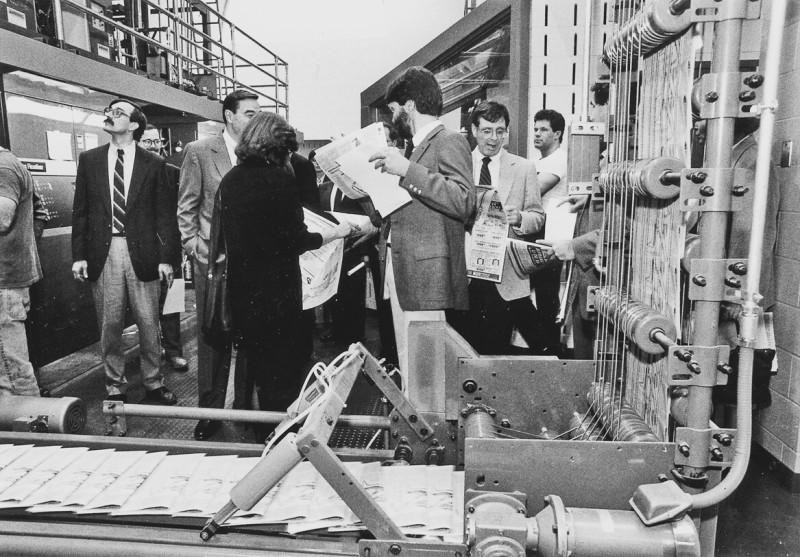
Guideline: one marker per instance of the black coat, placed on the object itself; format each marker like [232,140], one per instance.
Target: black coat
[150,222]
[262,222]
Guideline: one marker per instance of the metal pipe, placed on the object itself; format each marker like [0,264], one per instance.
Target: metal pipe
[114,408]
[58,18]
[480,424]
[714,225]
[587,56]
[749,320]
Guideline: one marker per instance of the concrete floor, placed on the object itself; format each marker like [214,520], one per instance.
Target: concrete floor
[760,519]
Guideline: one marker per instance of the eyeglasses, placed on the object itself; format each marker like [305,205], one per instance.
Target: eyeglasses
[115,112]
[151,142]
[489,132]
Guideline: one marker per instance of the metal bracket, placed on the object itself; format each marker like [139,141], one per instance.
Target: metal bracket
[31,424]
[410,548]
[722,10]
[715,189]
[704,448]
[717,280]
[440,448]
[115,425]
[590,298]
[698,366]
[730,95]
[398,400]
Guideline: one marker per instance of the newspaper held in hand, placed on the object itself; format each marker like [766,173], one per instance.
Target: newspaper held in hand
[346,162]
[486,248]
[320,268]
[528,257]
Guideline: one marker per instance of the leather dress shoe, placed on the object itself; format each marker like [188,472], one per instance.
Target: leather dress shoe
[179,363]
[121,397]
[206,428]
[161,395]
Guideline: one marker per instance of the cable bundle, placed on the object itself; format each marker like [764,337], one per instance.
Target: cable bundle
[657,178]
[621,421]
[654,26]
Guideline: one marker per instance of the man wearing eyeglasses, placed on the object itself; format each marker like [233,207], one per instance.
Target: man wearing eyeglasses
[171,322]
[495,308]
[124,237]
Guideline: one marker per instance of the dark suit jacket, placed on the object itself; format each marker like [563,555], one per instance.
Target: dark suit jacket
[150,225]
[428,257]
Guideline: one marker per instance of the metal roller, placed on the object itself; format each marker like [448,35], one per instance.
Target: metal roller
[621,421]
[43,415]
[657,178]
[656,24]
[650,331]
[479,423]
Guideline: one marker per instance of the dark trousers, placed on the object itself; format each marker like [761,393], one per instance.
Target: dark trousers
[488,324]
[583,334]
[546,283]
[348,311]
[213,362]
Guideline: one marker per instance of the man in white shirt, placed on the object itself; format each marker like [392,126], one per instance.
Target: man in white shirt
[495,308]
[123,241]
[204,165]
[548,132]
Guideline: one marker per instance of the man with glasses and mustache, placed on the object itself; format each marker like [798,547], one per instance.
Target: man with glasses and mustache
[171,322]
[123,242]
[495,308]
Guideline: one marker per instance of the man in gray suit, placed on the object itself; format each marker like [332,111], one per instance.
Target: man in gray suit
[426,270]
[495,308]
[205,163]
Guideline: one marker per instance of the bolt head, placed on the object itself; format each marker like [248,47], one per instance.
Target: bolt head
[712,96]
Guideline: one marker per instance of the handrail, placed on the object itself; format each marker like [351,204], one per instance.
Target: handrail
[183,61]
[217,43]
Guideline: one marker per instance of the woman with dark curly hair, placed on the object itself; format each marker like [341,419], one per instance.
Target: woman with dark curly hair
[262,223]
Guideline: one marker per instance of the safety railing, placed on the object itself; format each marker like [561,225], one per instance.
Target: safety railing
[190,45]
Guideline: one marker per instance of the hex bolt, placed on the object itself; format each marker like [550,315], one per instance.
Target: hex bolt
[470,509]
[423,431]
[699,280]
[694,367]
[663,478]
[395,549]
[470,386]
[739,191]
[738,268]
[706,191]
[683,448]
[412,418]
[724,439]
[329,421]
[394,435]
[716,454]
[712,96]
[395,418]
[492,412]
[724,368]
[754,81]
[505,423]
[684,355]
[747,96]
[733,282]
[698,177]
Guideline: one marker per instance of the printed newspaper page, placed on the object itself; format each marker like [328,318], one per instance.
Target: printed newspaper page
[346,162]
[320,268]
[526,257]
[486,251]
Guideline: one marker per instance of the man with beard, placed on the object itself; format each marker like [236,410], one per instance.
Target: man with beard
[123,242]
[425,265]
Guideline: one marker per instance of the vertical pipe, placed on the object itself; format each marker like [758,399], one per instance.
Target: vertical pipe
[587,48]
[714,225]
[59,19]
[234,57]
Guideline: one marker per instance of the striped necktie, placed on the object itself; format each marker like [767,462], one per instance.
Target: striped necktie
[119,193]
[485,177]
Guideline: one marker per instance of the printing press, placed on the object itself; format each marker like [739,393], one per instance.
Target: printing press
[611,456]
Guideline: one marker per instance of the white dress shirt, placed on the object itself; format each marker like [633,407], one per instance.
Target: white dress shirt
[494,167]
[231,144]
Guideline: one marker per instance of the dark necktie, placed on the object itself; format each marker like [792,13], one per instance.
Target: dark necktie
[119,193]
[485,177]
[409,148]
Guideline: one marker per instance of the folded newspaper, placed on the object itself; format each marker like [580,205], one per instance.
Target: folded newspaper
[527,257]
